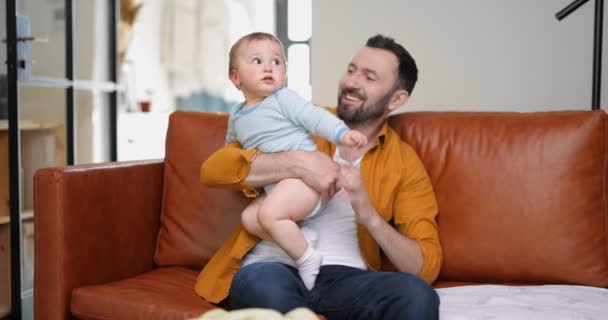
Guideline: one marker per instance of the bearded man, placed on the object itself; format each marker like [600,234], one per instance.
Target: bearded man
[382,202]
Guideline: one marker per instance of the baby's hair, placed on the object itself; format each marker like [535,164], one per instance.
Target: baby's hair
[254,36]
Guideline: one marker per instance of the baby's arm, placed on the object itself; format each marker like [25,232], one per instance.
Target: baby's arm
[230,131]
[315,119]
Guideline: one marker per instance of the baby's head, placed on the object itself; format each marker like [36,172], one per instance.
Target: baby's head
[257,65]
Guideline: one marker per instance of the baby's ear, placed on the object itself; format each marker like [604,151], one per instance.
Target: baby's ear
[233,75]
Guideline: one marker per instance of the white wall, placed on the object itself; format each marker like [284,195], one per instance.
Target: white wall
[472,54]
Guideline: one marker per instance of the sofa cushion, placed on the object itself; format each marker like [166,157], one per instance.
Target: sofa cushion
[195,219]
[165,293]
[522,196]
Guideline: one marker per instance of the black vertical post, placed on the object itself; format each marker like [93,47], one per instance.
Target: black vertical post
[282,28]
[597,55]
[597,46]
[281,22]
[69,74]
[113,26]
[14,157]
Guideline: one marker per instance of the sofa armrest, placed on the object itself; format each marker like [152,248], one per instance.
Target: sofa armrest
[94,224]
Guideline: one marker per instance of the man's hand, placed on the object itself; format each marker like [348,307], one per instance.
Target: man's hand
[318,171]
[350,180]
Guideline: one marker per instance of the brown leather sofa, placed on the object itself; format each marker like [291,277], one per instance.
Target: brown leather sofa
[522,198]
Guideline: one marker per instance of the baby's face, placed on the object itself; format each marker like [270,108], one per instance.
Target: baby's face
[260,69]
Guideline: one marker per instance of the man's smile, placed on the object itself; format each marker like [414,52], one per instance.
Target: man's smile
[350,96]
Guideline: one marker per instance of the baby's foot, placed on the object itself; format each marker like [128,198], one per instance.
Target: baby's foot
[308,267]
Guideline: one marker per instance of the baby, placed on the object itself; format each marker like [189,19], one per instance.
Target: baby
[274,119]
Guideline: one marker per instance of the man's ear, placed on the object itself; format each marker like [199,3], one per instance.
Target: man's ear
[233,75]
[399,98]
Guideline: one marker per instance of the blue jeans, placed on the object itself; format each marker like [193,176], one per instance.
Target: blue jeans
[340,292]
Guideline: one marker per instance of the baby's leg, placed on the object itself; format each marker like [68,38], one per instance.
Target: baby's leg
[292,200]
[250,221]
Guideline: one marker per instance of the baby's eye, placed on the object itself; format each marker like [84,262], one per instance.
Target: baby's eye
[276,62]
[257,60]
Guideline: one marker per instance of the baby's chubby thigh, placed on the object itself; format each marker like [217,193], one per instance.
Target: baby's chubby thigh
[290,199]
[249,217]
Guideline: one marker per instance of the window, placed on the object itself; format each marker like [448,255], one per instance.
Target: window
[294,28]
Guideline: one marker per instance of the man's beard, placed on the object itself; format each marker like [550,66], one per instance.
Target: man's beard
[367,112]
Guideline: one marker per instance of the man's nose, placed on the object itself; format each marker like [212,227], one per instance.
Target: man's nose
[352,81]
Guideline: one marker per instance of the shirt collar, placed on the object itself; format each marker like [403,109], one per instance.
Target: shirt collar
[381,136]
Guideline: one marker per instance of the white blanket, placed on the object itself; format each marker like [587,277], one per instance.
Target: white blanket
[550,302]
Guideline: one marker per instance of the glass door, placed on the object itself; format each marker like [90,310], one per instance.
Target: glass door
[58,108]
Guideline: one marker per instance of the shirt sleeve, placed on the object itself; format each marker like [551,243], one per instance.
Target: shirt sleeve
[315,119]
[228,167]
[415,213]
[230,134]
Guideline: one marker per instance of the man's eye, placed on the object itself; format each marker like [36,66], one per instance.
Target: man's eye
[371,78]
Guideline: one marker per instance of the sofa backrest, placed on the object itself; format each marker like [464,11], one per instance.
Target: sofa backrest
[522,196]
[195,219]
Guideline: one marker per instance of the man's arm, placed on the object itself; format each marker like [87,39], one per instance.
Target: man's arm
[228,167]
[415,215]
[403,252]
[414,247]
[235,168]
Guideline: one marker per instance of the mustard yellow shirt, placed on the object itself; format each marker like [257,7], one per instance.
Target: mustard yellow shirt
[395,179]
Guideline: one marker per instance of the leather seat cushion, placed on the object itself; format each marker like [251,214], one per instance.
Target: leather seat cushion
[164,293]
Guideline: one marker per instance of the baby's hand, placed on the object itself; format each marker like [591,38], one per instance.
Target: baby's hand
[353,138]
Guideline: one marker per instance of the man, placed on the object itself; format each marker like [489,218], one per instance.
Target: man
[384,202]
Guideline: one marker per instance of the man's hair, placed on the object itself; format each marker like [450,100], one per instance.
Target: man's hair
[408,72]
[254,36]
